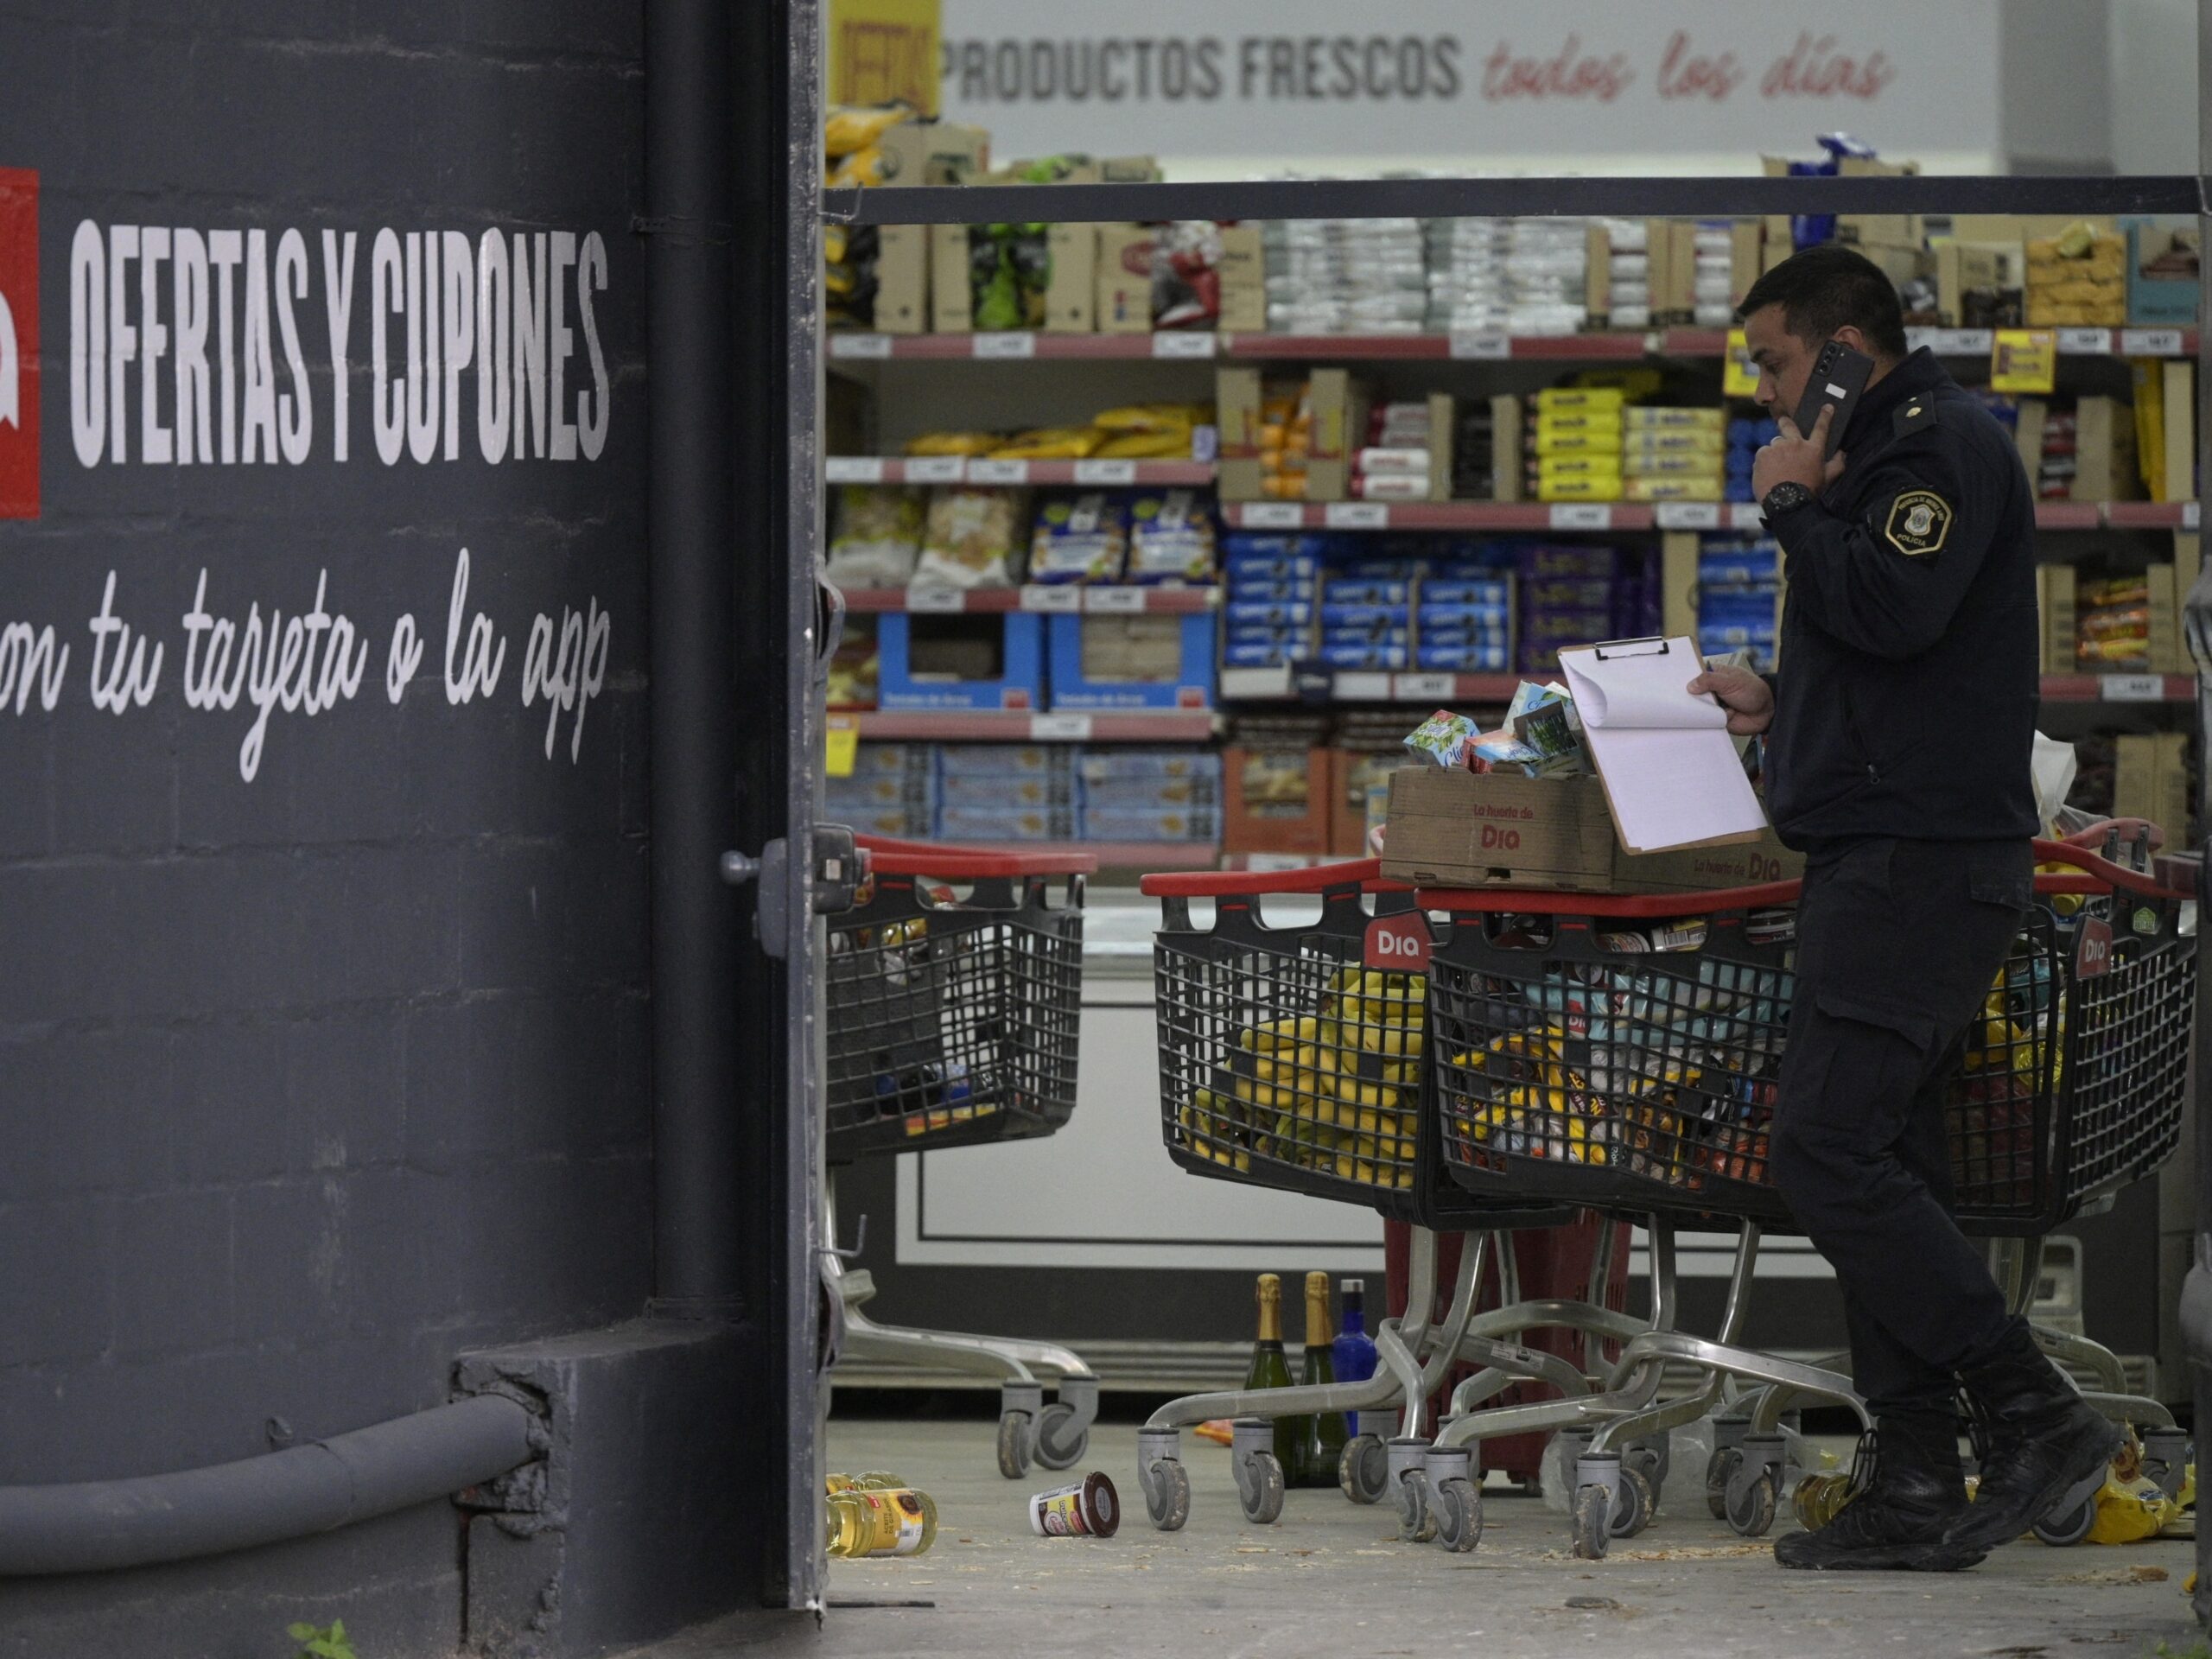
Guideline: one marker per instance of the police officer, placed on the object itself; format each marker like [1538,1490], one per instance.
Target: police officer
[1898,733]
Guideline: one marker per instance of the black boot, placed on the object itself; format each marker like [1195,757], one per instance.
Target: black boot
[1909,1489]
[2043,1441]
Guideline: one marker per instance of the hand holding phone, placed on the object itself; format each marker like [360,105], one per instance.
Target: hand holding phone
[1839,376]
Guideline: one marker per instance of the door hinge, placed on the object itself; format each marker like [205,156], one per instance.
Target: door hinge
[831,883]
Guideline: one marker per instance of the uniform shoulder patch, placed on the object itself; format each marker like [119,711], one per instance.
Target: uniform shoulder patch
[1913,414]
[1917,523]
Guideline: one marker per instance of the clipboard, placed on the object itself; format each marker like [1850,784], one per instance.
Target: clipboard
[1672,776]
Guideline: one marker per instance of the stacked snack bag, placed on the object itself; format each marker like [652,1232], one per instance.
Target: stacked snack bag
[1672,454]
[1345,277]
[1270,584]
[1514,275]
[1576,444]
[1395,463]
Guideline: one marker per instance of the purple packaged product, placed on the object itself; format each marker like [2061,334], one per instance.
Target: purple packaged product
[1563,594]
[1538,563]
[1568,627]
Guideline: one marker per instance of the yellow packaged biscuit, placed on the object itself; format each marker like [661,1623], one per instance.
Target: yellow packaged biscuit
[952,443]
[850,127]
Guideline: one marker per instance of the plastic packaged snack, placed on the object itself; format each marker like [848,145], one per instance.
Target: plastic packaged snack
[1049,443]
[1171,538]
[1442,739]
[953,443]
[1079,538]
[849,127]
[878,535]
[970,537]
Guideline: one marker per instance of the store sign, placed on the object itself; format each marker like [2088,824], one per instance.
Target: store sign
[1310,79]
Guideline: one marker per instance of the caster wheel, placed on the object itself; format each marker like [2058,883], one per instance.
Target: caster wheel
[1654,1457]
[1717,1468]
[2166,1457]
[1633,1513]
[1060,1443]
[1416,1515]
[1017,1444]
[2062,1531]
[1459,1515]
[1168,1495]
[1753,1514]
[1262,1496]
[1364,1469]
[1593,1513]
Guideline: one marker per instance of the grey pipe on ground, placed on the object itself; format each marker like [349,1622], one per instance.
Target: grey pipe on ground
[100,1526]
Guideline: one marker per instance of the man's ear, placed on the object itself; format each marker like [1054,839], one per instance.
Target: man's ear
[1849,335]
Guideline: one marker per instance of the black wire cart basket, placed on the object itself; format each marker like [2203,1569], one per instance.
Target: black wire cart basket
[1624,1052]
[954,997]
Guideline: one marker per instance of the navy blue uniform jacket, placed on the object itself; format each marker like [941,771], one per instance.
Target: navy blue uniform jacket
[1905,703]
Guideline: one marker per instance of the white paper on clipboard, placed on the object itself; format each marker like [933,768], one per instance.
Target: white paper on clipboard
[1671,772]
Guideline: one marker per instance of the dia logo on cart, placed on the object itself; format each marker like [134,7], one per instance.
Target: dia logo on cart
[1399,942]
[19,352]
[2093,951]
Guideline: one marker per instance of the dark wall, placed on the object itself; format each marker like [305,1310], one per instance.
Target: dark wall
[325,1057]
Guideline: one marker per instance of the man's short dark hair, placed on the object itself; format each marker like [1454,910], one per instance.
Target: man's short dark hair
[1828,287]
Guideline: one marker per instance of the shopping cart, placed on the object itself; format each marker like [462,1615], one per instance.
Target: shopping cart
[1292,1056]
[954,999]
[1624,1052]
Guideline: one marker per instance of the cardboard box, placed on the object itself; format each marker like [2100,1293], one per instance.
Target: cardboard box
[1901,263]
[1442,420]
[1275,800]
[1358,777]
[2187,563]
[2179,382]
[2168,655]
[1107,663]
[2151,780]
[2028,414]
[1505,448]
[935,152]
[952,292]
[960,662]
[1453,827]
[1125,279]
[1072,289]
[2156,300]
[1746,257]
[902,279]
[1963,266]
[1236,396]
[1597,272]
[1887,229]
[1243,272]
[2055,586]
[1780,244]
[1670,252]
[1678,583]
[1339,404]
[2104,451]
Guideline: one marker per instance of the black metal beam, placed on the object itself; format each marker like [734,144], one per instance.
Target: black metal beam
[1624,198]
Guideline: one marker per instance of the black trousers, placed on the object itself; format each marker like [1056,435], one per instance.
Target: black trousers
[1898,943]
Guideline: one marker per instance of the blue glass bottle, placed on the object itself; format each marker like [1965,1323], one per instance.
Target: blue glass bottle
[1351,1355]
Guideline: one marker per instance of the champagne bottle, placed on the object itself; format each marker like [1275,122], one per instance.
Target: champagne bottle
[867,1521]
[1322,1441]
[881,1480]
[1269,1369]
[1353,1353]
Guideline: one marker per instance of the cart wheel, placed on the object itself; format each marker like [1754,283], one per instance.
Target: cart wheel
[1058,1447]
[1167,1494]
[1416,1517]
[1592,1510]
[2063,1531]
[1717,1468]
[1017,1444]
[1363,1469]
[2167,1454]
[1653,1456]
[1459,1515]
[1261,1495]
[1754,1514]
[1633,1513]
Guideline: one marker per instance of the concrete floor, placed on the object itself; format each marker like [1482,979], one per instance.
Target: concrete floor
[1333,1578]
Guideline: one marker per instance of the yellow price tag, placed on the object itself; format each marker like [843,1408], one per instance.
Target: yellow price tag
[2023,359]
[844,752]
[1739,376]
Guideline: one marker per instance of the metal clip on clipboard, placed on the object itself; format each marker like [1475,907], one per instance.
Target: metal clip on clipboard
[1654,646]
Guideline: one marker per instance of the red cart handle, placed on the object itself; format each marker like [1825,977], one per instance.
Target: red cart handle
[1215,884]
[2097,875]
[887,856]
[2094,836]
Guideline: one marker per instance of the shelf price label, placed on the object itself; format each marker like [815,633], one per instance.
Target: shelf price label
[2150,342]
[1581,515]
[2132,688]
[1183,343]
[1486,344]
[1016,344]
[2023,359]
[1051,597]
[1362,686]
[1105,471]
[1965,342]
[1114,602]
[1745,515]
[1739,376]
[1059,729]
[1356,515]
[2085,342]
[1425,688]
[935,469]
[852,469]
[1271,515]
[860,345]
[1915,338]
[1686,515]
[998,472]
[2189,515]
[936,601]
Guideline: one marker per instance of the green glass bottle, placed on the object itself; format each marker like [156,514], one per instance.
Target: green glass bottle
[1269,1369]
[1321,1439]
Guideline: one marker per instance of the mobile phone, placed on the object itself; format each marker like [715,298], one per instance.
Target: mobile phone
[1839,376]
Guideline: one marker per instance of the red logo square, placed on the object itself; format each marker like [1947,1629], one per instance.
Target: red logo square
[18,343]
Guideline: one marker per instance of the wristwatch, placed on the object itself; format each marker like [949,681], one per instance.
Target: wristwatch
[1782,498]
